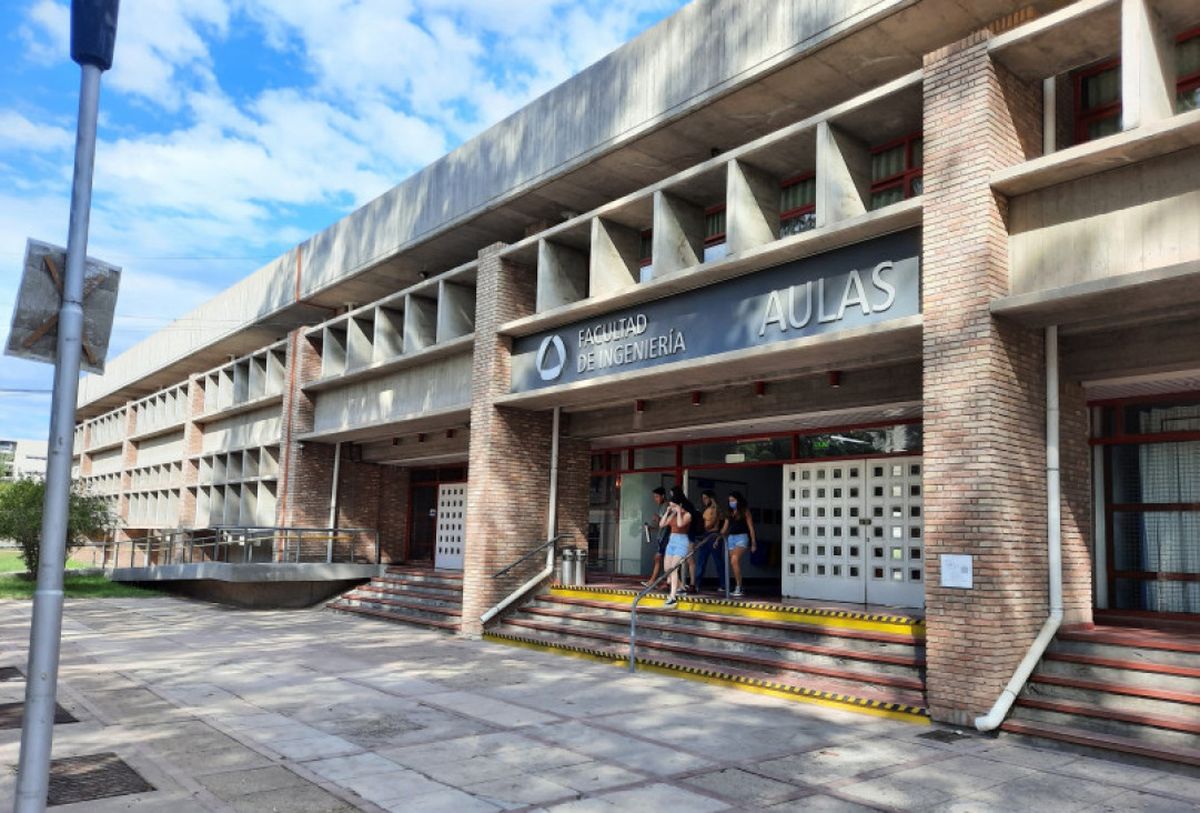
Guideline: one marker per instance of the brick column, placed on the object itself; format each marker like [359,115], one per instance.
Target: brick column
[1075,469]
[193,444]
[305,470]
[983,387]
[128,462]
[393,513]
[508,486]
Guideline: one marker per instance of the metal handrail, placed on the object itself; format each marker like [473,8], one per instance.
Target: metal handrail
[711,537]
[187,541]
[551,548]
[554,540]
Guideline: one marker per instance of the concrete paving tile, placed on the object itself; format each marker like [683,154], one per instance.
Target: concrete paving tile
[655,759]
[1186,787]
[313,746]
[955,781]
[1038,792]
[662,796]
[829,764]
[218,760]
[395,785]
[489,709]
[1139,802]
[820,803]
[520,791]
[446,801]
[895,793]
[338,768]
[742,787]
[592,776]
[1041,759]
[306,799]
[1110,770]
[458,748]
[231,784]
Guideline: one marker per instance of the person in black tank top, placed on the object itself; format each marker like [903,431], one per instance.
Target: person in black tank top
[738,531]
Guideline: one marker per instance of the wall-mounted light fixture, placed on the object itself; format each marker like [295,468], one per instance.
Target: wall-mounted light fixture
[639,405]
[835,378]
[760,389]
[695,397]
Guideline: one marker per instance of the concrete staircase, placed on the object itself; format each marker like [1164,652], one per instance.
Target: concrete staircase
[857,661]
[1136,691]
[409,595]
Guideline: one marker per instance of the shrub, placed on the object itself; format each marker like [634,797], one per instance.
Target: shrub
[21,502]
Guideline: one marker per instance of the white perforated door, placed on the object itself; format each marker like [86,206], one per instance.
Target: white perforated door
[451,521]
[852,531]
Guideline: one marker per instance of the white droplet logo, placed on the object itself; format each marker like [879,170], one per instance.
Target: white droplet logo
[550,366]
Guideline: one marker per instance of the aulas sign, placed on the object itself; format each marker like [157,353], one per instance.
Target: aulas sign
[851,287]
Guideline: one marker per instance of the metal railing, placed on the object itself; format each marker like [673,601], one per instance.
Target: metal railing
[709,539]
[246,545]
[551,548]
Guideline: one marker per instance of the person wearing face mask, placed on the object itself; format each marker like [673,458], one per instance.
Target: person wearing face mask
[738,531]
[678,518]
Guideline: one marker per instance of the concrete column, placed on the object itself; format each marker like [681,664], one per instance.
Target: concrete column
[562,275]
[508,489]
[678,240]
[1147,65]
[843,176]
[614,262]
[984,479]
[751,207]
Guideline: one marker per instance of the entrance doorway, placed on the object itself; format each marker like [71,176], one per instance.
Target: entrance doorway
[855,531]
[762,486]
[437,513]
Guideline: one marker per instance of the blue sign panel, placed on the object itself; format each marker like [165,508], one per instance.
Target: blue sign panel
[847,288]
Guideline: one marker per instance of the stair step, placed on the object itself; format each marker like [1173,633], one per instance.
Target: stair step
[424,588]
[429,582]
[369,593]
[1101,713]
[727,639]
[1186,699]
[891,702]
[772,667]
[1128,671]
[791,629]
[400,605]
[1132,644]
[395,617]
[1076,736]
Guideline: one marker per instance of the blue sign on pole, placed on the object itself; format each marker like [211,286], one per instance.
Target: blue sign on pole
[859,285]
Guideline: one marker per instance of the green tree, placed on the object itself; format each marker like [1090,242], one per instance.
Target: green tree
[90,517]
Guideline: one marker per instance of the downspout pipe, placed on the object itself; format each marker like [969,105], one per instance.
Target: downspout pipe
[1004,702]
[552,514]
[333,489]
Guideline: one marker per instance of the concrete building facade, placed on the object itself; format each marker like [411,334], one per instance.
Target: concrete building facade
[832,255]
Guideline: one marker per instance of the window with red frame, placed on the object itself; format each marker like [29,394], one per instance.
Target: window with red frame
[646,248]
[714,225]
[1098,90]
[896,169]
[798,204]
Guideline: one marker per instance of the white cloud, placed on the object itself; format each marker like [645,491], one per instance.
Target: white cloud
[19,133]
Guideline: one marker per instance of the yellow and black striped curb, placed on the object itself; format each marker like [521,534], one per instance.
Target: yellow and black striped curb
[846,619]
[715,677]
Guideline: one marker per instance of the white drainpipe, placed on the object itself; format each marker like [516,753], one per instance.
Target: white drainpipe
[1004,702]
[333,489]
[552,514]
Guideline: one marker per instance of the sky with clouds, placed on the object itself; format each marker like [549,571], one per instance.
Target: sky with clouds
[230,130]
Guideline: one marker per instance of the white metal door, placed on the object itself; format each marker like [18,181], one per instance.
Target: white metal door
[451,521]
[853,532]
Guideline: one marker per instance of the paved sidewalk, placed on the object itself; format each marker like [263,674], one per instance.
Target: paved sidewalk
[309,712]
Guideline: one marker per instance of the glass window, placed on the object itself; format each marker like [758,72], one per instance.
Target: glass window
[797,205]
[737,451]
[896,170]
[654,457]
[858,442]
[714,225]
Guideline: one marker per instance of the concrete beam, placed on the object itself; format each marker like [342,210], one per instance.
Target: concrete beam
[751,207]
[843,176]
[420,323]
[1147,65]
[562,275]
[678,240]
[456,311]
[614,263]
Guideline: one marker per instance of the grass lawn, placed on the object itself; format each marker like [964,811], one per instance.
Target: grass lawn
[77,586]
[11,562]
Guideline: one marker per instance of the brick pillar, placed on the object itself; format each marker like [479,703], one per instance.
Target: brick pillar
[358,500]
[128,462]
[305,470]
[574,480]
[193,445]
[1075,470]
[508,486]
[393,513]
[983,387]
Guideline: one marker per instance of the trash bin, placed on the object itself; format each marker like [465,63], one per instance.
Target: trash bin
[580,567]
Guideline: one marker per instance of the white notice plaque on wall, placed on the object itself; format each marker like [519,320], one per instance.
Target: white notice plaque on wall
[957,571]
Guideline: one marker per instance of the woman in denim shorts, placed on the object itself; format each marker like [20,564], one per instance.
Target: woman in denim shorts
[677,518]
[738,531]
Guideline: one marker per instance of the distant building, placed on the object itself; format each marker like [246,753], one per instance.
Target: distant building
[22,458]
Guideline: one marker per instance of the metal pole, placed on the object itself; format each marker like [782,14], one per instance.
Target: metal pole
[333,490]
[45,633]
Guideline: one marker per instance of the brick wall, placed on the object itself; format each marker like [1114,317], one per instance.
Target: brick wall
[193,443]
[393,513]
[509,450]
[1078,533]
[983,387]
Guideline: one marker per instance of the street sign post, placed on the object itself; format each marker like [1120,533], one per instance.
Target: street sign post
[93,34]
